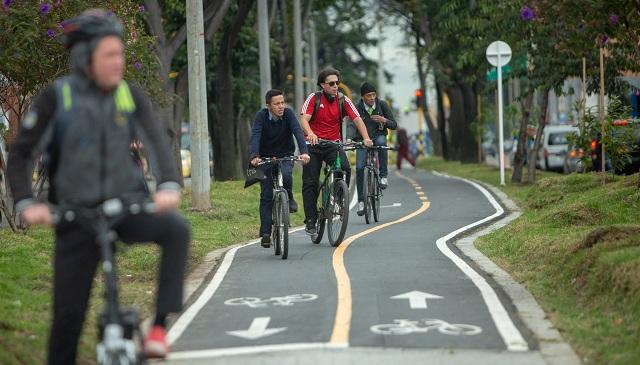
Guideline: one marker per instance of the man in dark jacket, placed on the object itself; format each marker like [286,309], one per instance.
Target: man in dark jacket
[272,136]
[378,118]
[90,117]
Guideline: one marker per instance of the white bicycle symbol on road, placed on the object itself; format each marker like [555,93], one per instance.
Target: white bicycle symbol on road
[288,300]
[405,327]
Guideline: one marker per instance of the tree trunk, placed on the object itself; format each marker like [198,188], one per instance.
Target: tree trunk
[518,159]
[533,155]
[433,133]
[228,163]
[457,122]
[442,130]
[468,142]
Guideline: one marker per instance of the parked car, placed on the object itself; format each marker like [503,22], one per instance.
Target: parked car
[554,146]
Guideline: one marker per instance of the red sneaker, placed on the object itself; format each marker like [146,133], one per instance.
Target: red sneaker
[155,345]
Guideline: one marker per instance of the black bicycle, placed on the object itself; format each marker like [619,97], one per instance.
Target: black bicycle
[371,187]
[119,335]
[334,209]
[280,210]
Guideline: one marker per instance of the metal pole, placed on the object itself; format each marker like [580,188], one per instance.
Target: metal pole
[500,121]
[263,42]
[200,177]
[297,54]
[380,87]
[314,52]
[601,108]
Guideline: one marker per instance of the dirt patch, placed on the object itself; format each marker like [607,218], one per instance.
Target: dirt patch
[603,234]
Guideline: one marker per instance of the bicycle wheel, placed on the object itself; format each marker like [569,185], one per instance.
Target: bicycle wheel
[283,224]
[365,195]
[320,224]
[338,216]
[375,196]
[275,225]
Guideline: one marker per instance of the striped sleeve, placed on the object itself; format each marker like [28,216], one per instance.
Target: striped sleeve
[351,109]
[309,105]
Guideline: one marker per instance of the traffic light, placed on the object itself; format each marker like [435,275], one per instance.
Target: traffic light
[419,98]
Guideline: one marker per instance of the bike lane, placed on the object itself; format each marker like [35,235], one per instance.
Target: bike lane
[407,293]
[264,303]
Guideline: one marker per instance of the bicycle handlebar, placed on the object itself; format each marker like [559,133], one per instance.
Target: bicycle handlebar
[264,161]
[110,208]
[361,146]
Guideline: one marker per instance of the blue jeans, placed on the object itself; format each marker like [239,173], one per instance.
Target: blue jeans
[361,159]
[266,194]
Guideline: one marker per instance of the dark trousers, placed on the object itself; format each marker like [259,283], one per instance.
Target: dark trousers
[403,152]
[311,176]
[361,160]
[266,194]
[77,256]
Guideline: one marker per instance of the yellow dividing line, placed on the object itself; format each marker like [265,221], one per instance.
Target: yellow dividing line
[342,322]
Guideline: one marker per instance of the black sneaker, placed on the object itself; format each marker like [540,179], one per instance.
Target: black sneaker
[293,206]
[310,228]
[265,241]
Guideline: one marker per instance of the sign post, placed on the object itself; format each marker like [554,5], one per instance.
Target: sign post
[499,54]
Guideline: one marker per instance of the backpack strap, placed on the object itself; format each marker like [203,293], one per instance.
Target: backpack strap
[316,105]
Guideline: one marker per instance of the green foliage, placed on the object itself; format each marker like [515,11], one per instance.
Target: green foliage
[32,54]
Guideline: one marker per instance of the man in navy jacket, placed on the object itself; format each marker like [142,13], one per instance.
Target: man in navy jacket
[272,136]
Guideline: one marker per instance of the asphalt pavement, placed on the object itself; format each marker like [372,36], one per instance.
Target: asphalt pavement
[396,290]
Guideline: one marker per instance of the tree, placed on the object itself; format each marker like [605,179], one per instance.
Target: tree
[166,22]
[32,57]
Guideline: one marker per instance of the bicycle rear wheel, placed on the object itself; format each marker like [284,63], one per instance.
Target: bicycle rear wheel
[338,216]
[375,196]
[281,224]
[320,224]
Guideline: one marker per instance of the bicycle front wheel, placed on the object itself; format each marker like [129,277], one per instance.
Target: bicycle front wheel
[365,193]
[375,196]
[338,216]
[281,224]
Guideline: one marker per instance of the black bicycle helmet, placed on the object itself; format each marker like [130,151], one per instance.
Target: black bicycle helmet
[90,24]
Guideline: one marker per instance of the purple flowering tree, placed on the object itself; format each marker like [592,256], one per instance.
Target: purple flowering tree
[32,56]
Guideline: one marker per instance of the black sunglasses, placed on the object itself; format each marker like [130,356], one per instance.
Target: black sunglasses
[333,83]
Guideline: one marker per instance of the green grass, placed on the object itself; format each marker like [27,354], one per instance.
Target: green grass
[25,270]
[576,247]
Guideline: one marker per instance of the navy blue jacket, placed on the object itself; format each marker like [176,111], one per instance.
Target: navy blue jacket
[274,138]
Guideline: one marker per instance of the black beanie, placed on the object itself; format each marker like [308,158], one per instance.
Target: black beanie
[367,88]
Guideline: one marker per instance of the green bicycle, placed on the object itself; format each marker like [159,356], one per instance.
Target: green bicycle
[334,210]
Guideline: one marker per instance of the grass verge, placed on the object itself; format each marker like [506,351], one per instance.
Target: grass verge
[26,275]
[576,247]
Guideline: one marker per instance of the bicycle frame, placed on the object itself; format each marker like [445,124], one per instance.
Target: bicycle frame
[117,326]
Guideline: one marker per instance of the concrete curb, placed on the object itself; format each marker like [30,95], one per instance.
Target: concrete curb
[553,348]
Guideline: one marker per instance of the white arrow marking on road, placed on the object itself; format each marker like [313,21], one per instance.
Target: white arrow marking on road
[417,299]
[391,206]
[257,329]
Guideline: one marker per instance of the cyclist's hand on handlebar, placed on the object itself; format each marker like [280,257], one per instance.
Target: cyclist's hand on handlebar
[368,142]
[305,158]
[38,213]
[166,200]
[312,138]
[255,161]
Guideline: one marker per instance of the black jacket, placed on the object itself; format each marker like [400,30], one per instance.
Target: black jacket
[94,160]
[382,108]
[274,138]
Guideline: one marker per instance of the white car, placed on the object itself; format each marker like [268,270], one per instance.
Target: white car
[554,146]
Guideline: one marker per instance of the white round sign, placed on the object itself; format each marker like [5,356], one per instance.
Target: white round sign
[498,48]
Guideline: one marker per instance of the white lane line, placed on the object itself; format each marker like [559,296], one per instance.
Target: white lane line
[394,205]
[508,331]
[184,355]
[185,319]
